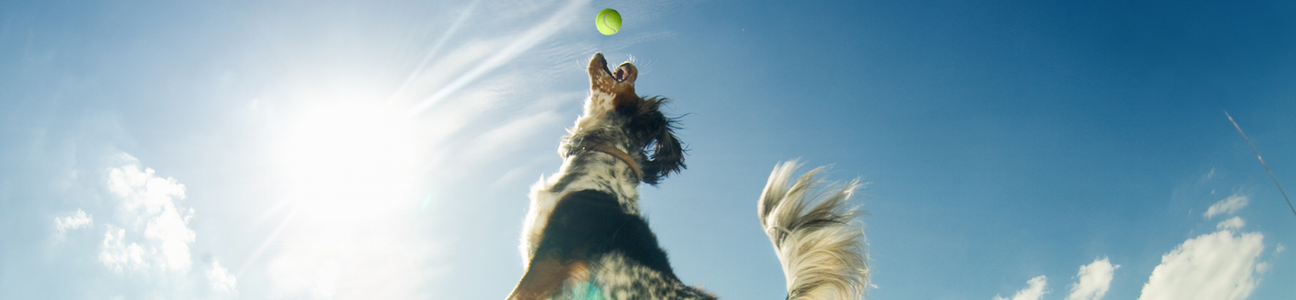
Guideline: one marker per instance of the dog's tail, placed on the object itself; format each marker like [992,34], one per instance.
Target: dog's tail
[821,245]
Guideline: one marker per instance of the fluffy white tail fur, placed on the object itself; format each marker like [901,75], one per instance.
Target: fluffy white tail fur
[822,247]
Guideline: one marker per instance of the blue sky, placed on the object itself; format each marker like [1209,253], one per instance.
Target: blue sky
[384,149]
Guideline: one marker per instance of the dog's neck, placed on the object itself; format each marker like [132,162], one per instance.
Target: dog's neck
[622,155]
[595,134]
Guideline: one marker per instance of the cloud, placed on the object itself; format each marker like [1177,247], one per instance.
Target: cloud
[505,139]
[1033,291]
[76,220]
[221,280]
[1229,205]
[146,239]
[538,33]
[1220,265]
[1234,223]
[164,235]
[1094,279]
[117,255]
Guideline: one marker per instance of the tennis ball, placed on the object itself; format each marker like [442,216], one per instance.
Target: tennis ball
[608,21]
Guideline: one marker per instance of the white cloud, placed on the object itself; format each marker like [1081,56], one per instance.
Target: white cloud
[1234,223]
[1094,280]
[1216,266]
[1229,205]
[537,34]
[220,278]
[150,200]
[1033,291]
[1279,248]
[117,255]
[141,189]
[505,139]
[147,238]
[76,220]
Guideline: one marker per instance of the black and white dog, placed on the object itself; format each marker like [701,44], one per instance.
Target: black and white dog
[585,239]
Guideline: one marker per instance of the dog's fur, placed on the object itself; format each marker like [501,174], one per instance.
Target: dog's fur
[585,239]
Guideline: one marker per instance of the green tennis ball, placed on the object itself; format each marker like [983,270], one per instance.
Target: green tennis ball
[608,21]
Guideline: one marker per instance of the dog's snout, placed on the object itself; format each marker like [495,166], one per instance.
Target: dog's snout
[615,83]
[598,60]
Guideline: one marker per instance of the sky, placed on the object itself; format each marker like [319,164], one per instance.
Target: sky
[289,149]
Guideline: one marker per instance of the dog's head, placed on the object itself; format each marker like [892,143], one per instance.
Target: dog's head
[650,134]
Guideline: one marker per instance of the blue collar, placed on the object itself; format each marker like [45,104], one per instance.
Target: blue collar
[587,291]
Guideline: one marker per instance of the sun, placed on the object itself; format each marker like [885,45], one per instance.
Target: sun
[348,177]
[348,158]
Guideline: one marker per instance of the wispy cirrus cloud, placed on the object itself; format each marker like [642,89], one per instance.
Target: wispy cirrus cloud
[540,32]
[1234,223]
[1229,205]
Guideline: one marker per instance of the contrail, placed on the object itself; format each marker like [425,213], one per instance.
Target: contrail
[523,43]
[1262,163]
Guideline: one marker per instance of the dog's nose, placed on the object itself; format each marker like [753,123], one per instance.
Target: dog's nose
[598,60]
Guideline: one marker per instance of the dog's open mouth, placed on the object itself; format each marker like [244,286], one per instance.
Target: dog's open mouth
[621,73]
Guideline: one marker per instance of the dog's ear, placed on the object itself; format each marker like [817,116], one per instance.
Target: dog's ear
[667,156]
[662,151]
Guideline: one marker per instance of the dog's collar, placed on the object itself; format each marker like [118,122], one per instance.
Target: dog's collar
[610,150]
[587,291]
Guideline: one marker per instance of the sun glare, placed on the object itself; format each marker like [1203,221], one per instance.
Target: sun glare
[349,159]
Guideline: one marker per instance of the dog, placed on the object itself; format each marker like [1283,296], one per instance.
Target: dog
[584,237]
